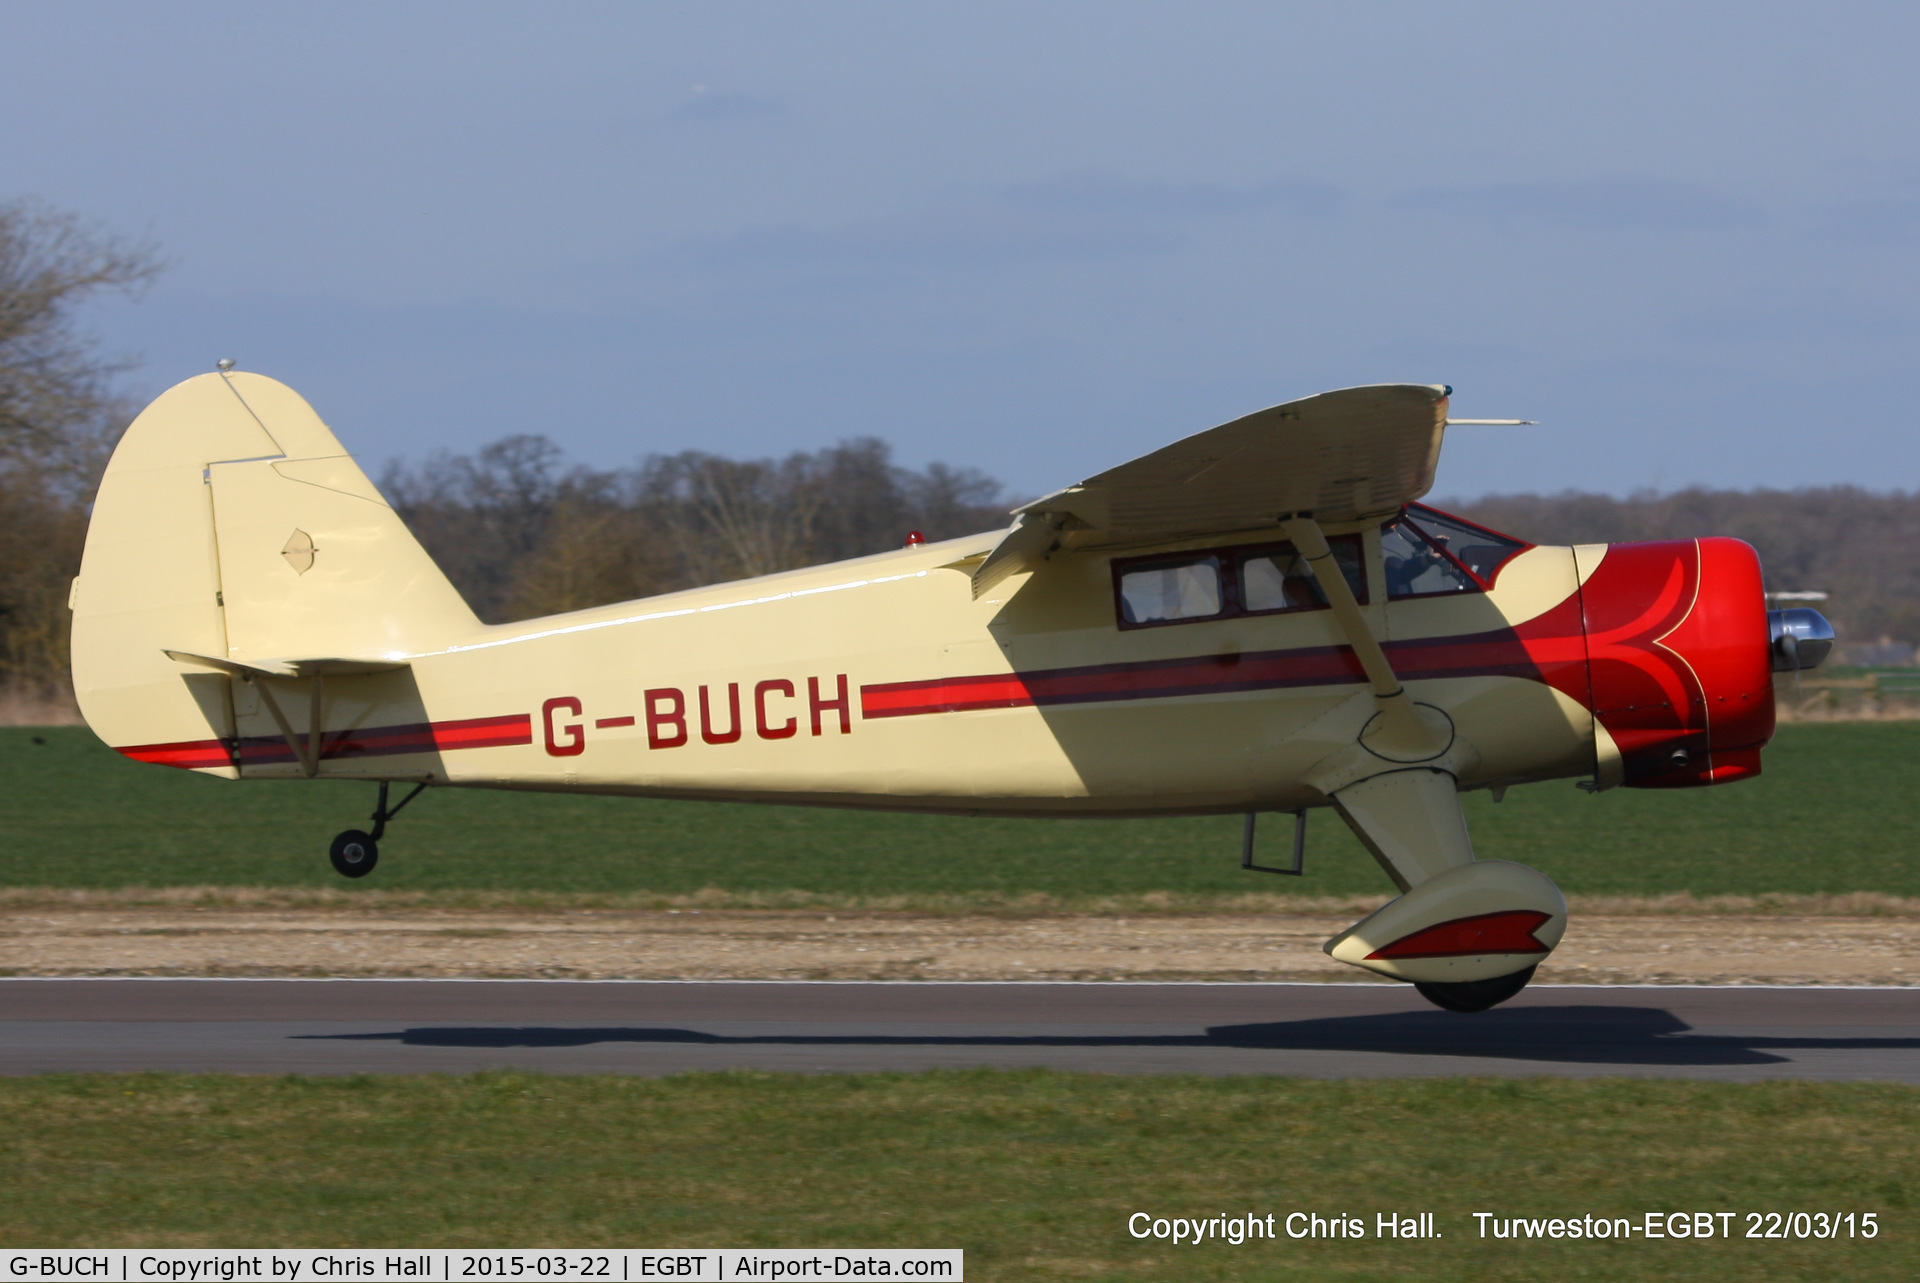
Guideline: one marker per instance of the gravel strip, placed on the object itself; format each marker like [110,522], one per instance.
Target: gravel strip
[1673,948]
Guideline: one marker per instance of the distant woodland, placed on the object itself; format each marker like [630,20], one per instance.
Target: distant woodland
[522,536]
[1838,539]
[522,533]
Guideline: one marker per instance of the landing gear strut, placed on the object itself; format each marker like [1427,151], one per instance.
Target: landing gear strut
[1474,995]
[354,853]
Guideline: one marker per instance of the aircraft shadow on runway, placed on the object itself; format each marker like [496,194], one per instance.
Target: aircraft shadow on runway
[1574,1035]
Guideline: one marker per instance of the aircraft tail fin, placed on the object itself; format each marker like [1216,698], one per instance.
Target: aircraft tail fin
[232,524]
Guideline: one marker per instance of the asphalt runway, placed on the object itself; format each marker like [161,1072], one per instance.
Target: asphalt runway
[653,1027]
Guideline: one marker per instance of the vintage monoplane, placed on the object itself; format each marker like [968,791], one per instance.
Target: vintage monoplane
[1258,618]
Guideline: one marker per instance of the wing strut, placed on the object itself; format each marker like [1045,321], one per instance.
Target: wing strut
[1403,735]
[1021,548]
[308,753]
[313,670]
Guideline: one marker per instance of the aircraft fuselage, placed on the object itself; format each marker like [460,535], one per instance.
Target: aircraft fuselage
[881,683]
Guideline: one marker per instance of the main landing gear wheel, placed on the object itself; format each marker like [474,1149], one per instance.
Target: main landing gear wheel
[1474,995]
[354,854]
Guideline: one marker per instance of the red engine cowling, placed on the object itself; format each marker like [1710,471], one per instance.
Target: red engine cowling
[1679,658]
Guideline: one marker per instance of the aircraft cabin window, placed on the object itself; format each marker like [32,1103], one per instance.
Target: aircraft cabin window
[1417,567]
[1171,591]
[1280,579]
[1228,582]
[1480,550]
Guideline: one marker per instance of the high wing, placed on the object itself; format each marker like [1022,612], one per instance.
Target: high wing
[1341,456]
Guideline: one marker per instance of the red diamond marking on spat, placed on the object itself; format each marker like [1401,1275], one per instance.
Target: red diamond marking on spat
[1510,931]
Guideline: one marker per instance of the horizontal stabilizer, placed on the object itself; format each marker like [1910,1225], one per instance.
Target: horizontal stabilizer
[320,667]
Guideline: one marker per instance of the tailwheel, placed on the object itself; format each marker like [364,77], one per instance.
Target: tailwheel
[1474,995]
[354,854]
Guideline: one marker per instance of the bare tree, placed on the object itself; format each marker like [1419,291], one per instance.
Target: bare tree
[59,417]
[595,551]
[54,384]
[521,536]
[482,515]
[732,519]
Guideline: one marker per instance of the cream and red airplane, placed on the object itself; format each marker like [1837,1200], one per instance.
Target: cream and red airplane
[1257,618]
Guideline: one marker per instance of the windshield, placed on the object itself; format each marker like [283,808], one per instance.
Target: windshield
[1480,550]
[1427,552]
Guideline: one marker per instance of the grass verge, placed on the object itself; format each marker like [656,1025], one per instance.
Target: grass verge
[1834,815]
[1034,1173]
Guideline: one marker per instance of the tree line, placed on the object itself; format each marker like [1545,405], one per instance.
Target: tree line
[522,536]
[1842,540]
[522,533]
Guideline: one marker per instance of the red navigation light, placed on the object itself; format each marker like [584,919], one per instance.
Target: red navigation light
[1510,931]
[915,538]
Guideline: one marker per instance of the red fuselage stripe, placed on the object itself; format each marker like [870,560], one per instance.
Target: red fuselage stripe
[1497,654]
[373,741]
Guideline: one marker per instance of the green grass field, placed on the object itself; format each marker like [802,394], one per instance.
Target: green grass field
[1033,1173]
[1837,810]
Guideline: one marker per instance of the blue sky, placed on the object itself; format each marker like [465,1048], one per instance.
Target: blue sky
[1035,239]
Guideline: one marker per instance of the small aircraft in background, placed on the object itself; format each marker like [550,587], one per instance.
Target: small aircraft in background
[1260,617]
